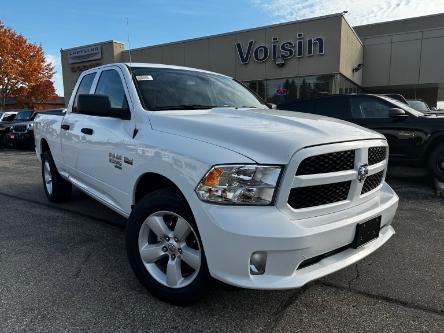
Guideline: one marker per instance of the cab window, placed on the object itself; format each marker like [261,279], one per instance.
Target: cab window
[363,107]
[111,85]
[84,88]
[334,107]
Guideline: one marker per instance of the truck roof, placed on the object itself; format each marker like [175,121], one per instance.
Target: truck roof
[152,65]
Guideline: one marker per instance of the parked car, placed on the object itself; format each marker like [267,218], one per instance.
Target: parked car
[7,116]
[6,119]
[415,138]
[21,132]
[419,105]
[214,183]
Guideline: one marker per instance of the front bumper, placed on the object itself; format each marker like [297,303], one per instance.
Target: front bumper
[231,234]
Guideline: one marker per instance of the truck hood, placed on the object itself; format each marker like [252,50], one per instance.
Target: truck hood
[263,135]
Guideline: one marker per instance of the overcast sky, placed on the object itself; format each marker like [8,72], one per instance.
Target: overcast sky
[57,24]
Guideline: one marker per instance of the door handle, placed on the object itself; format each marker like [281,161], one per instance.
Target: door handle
[87,131]
[65,127]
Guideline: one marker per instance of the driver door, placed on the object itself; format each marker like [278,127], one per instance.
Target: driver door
[374,113]
[104,140]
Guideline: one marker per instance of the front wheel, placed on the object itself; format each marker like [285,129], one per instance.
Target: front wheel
[165,250]
[436,162]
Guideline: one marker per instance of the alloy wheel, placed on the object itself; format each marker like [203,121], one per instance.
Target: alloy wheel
[169,249]
[48,177]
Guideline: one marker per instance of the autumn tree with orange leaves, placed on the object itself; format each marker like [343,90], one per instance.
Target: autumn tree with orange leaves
[24,71]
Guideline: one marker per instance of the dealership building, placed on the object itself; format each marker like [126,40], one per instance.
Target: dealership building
[299,59]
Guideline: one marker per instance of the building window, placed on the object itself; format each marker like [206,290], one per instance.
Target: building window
[257,86]
[289,89]
[345,86]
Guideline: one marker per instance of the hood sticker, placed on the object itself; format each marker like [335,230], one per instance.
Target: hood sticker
[144,78]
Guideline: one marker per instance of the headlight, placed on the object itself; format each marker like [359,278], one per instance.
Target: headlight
[239,184]
[30,125]
[11,128]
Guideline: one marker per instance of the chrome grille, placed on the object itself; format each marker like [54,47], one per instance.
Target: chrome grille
[372,182]
[331,162]
[376,155]
[310,196]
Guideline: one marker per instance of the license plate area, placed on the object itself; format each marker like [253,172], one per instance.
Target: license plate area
[366,232]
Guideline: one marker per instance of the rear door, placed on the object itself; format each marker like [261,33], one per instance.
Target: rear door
[71,135]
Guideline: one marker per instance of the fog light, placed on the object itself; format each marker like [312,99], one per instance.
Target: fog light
[258,261]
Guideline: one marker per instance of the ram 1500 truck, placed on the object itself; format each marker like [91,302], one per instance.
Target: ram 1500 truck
[214,183]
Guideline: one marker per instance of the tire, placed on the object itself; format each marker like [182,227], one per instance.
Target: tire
[436,162]
[169,269]
[56,188]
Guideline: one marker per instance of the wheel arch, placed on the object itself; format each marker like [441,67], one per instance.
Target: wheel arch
[151,181]
[44,146]
[435,141]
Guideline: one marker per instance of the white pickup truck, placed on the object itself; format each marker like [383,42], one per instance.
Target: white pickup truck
[214,183]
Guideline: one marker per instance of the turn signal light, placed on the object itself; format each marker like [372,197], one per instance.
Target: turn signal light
[212,177]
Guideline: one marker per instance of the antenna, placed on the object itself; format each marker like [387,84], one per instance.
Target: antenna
[135,131]
[129,43]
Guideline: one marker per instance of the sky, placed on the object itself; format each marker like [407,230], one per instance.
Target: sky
[57,24]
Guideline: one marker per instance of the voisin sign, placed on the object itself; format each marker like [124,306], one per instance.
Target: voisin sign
[279,52]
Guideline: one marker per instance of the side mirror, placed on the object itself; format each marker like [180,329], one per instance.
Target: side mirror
[272,106]
[100,106]
[396,112]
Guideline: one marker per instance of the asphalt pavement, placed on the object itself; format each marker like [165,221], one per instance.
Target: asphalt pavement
[64,268]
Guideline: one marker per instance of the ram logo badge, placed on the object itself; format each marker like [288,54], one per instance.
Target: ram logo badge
[362,172]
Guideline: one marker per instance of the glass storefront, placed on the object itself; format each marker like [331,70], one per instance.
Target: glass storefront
[285,90]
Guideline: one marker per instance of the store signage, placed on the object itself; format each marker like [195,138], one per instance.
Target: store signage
[83,54]
[282,91]
[83,67]
[280,52]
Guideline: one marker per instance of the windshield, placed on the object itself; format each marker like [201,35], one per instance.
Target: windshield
[419,105]
[178,89]
[402,106]
[24,115]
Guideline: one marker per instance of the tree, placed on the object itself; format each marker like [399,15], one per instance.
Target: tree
[23,66]
[38,93]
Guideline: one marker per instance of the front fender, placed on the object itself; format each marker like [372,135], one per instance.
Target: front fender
[182,160]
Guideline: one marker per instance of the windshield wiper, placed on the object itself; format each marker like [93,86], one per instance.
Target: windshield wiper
[186,107]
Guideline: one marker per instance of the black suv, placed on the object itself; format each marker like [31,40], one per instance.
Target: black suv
[415,138]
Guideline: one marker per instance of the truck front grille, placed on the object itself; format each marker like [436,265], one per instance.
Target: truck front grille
[310,196]
[376,155]
[331,162]
[372,182]
[335,177]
